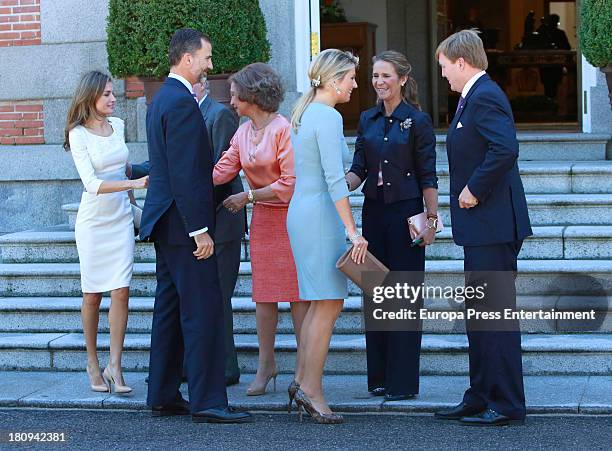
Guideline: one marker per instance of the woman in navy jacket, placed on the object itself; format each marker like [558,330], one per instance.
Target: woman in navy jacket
[395,154]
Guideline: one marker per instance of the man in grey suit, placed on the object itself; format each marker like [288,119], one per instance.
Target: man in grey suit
[221,124]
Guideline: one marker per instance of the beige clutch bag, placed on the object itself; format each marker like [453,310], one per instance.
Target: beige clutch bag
[416,224]
[376,271]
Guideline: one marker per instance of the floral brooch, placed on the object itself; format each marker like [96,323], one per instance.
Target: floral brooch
[405,125]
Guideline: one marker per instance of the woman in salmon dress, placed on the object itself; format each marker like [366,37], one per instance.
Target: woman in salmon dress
[262,148]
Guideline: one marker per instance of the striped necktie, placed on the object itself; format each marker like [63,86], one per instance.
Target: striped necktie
[460,104]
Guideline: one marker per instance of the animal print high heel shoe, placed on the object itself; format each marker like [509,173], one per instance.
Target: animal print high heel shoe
[304,403]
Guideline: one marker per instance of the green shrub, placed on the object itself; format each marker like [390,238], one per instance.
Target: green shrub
[596,31]
[139,33]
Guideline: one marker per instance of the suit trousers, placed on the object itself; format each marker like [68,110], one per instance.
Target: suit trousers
[228,262]
[393,356]
[187,324]
[496,370]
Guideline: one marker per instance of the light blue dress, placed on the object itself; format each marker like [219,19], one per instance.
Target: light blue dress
[316,232]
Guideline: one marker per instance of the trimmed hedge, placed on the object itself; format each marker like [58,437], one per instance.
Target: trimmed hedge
[596,31]
[139,33]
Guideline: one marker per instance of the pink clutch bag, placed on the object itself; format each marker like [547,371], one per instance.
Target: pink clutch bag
[416,224]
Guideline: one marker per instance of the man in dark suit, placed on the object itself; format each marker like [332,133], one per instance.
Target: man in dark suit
[179,216]
[221,124]
[490,220]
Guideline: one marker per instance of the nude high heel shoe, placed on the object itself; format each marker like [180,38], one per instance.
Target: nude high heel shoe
[113,385]
[257,391]
[95,387]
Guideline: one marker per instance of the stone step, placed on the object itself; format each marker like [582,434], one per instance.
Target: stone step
[563,277]
[541,146]
[544,209]
[440,355]
[57,245]
[43,314]
[553,394]
[539,177]
[557,395]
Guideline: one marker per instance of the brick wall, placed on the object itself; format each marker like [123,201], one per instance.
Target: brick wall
[19,22]
[134,88]
[21,122]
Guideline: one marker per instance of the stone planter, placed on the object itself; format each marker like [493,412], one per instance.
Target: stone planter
[608,71]
[151,86]
[219,89]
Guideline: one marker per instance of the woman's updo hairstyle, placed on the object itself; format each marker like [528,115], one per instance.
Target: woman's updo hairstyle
[328,66]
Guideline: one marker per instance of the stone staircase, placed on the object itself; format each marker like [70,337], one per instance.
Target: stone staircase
[566,265]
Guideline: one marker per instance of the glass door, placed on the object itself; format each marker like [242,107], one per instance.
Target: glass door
[531,48]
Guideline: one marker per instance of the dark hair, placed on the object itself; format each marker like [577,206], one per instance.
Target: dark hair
[260,85]
[83,105]
[185,40]
[410,91]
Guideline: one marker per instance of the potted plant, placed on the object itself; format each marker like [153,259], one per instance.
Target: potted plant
[596,36]
[331,11]
[139,33]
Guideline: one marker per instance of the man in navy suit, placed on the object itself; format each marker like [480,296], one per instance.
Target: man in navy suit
[179,216]
[221,124]
[490,220]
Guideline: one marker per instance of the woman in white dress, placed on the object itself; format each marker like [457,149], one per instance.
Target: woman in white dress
[104,227]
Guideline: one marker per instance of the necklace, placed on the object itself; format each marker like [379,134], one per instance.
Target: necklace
[256,136]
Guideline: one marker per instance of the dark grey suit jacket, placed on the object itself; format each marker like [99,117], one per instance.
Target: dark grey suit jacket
[221,124]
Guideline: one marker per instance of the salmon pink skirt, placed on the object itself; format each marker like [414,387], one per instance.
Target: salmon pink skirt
[274,273]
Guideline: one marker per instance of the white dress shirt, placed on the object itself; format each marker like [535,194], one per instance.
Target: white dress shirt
[190,87]
[470,83]
[202,99]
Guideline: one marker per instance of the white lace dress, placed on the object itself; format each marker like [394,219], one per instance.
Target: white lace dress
[104,227]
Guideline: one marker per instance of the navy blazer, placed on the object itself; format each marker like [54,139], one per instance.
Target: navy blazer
[406,153]
[180,193]
[482,153]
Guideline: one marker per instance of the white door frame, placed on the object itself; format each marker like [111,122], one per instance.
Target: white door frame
[307,39]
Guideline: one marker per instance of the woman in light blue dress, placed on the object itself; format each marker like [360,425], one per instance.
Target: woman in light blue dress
[318,221]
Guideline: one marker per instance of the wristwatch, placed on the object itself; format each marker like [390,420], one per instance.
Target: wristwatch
[251,196]
[431,223]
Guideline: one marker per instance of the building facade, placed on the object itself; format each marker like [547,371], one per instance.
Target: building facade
[45,45]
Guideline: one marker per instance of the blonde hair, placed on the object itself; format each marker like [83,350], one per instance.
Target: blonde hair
[410,91]
[83,105]
[464,44]
[328,66]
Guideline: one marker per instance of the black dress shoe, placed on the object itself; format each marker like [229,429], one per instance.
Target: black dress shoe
[459,411]
[220,415]
[390,397]
[229,381]
[489,418]
[180,407]
[378,391]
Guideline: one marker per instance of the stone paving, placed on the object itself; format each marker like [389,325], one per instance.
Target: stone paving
[589,395]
